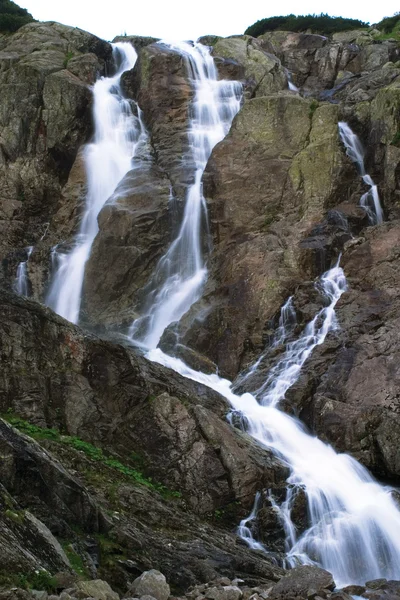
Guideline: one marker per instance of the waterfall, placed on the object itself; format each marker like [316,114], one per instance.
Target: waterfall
[370,200]
[117,134]
[21,281]
[244,530]
[354,523]
[182,269]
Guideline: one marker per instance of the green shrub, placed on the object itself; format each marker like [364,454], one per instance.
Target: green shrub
[388,23]
[323,24]
[12,16]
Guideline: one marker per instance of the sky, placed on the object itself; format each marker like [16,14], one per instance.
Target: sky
[185,19]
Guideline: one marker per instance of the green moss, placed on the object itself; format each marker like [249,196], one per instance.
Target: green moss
[313,107]
[396,139]
[67,58]
[17,516]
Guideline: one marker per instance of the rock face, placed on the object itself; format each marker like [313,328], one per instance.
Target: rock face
[45,116]
[134,468]
[283,157]
[245,58]
[116,517]
[70,381]
[348,391]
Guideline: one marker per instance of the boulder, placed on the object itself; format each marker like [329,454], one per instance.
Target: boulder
[97,589]
[150,583]
[299,582]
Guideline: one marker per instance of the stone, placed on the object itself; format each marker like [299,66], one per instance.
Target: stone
[227,592]
[298,581]
[284,156]
[39,594]
[97,589]
[354,590]
[375,584]
[150,583]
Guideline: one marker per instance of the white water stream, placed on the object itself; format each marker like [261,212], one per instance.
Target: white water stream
[354,522]
[370,200]
[182,269]
[21,282]
[117,134]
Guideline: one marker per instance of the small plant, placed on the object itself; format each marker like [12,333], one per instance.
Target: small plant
[75,560]
[313,107]
[42,580]
[67,58]
[396,139]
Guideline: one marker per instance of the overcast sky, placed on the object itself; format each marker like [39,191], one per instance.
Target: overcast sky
[184,19]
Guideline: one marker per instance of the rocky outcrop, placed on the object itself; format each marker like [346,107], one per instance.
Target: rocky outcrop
[283,161]
[344,68]
[348,391]
[109,396]
[26,544]
[134,234]
[244,58]
[45,116]
[113,522]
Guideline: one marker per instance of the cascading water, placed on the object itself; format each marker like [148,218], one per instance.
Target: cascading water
[21,282]
[287,320]
[244,530]
[182,269]
[117,134]
[354,522]
[370,200]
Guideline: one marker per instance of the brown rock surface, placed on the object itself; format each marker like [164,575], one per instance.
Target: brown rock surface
[272,178]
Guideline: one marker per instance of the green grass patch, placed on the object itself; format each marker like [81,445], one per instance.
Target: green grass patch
[36,580]
[75,560]
[67,58]
[313,107]
[92,452]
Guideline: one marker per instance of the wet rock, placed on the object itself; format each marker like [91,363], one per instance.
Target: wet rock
[285,158]
[160,84]
[389,590]
[150,583]
[46,480]
[134,233]
[375,584]
[354,590]
[300,581]
[26,543]
[46,70]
